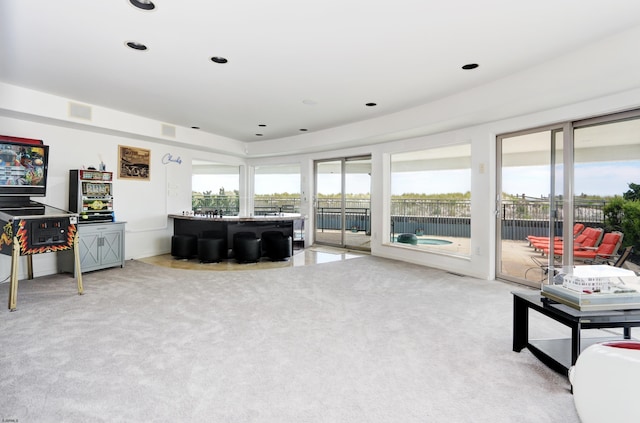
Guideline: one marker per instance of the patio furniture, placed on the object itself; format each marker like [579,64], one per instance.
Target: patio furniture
[581,238]
[543,242]
[620,259]
[590,237]
[624,256]
[608,248]
[577,229]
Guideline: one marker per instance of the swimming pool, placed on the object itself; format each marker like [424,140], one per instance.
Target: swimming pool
[426,241]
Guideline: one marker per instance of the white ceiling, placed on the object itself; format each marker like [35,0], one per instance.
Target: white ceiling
[336,54]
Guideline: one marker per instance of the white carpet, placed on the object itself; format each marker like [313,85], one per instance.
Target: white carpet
[364,340]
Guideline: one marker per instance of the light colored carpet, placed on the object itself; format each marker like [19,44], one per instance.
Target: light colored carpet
[364,340]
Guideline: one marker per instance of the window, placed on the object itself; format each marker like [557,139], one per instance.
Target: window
[431,199]
[276,189]
[215,188]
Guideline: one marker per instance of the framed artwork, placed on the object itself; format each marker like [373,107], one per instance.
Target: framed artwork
[134,163]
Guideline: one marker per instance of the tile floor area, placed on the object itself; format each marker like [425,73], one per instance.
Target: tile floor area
[303,257]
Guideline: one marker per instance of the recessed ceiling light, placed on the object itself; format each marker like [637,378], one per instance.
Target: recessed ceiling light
[470,66]
[143,4]
[218,59]
[136,46]
[371,104]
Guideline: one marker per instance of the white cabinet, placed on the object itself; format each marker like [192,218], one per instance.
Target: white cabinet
[100,245]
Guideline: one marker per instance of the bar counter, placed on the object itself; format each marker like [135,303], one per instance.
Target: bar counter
[291,224]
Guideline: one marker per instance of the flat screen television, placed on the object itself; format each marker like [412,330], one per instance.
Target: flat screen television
[23,167]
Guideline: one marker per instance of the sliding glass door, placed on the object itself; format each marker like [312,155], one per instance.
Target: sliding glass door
[529,200]
[607,181]
[357,207]
[343,202]
[554,182]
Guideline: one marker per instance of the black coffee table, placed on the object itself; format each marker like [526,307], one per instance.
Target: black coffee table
[561,354]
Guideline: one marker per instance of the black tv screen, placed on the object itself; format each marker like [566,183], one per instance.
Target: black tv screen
[23,168]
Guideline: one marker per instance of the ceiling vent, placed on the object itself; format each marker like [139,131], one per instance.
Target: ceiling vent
[79,111]
[168,130]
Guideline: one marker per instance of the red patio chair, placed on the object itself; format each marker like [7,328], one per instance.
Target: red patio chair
[578,240]
[577,228]
[607,249]
[589,238]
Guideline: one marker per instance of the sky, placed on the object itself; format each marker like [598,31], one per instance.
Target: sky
[266,184]
[603,178]
[213,183]
[433,182]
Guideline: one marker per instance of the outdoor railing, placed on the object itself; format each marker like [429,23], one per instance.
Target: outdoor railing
[356,219]
[272,205]
[228,205]
[522,218]
[519,218]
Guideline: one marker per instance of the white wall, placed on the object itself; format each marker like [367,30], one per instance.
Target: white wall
[145,205]
[482,261]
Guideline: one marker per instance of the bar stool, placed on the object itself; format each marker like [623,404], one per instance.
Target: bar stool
[212,247]
[184,246]
[210,250]
[277,245]
[246,247]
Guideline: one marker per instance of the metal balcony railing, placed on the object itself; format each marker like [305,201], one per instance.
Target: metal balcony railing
[519,218]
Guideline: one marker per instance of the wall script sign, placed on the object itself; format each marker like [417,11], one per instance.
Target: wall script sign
[168,158]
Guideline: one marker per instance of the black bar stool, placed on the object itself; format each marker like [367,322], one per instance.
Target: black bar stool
[184,246]
[277,245]
[246,247]
[212,247]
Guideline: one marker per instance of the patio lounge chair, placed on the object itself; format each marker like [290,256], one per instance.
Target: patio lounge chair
[624,256]
[542,268]
[543,243]
[607,250]
[577,229]
[589,238]
[615,260]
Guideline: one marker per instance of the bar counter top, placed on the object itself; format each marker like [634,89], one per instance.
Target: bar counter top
[232,219]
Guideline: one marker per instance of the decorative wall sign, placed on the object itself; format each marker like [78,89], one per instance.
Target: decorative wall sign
[134,163]
[169,158]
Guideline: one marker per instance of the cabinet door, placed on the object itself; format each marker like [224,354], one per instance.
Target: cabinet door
[89,244]
[111,248]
